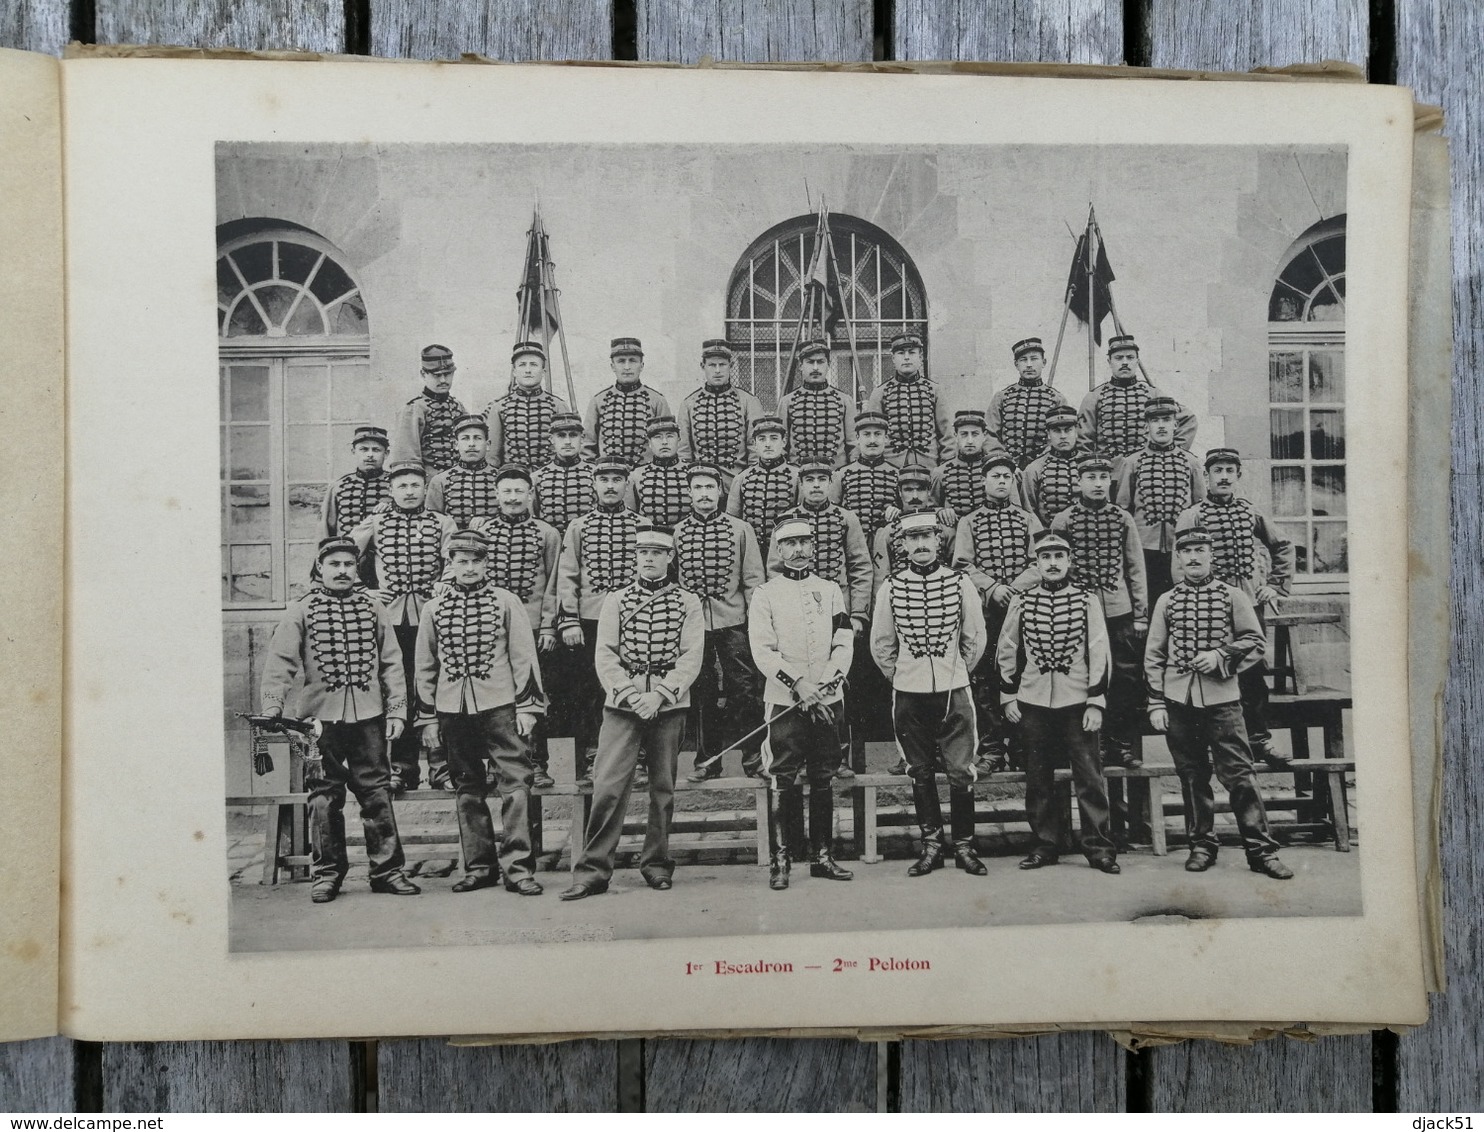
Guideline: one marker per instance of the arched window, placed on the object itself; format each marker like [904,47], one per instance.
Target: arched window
[1306,400]
[880,290]
[294,350]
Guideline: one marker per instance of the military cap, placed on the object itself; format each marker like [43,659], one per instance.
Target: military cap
[816,468]
[913,473]
[768,423]
[974,417]
[610,466]
[565,422]
[1061,416]
[999,458]
[653,537]
[702,468]
[869,418]
[793,525]
[1160,407]
[624,346]
[922,519]
[336,544]
[471,541]
[906,342]
[437,358]
[1049,540]
[1026,346]
[372,433]
[521,349]
[1094,464]
[662,424]
[813,346]
[513,472]
[471,420]
[1194,536]
[1223,456]
[716,348]
[1122,342]
[406,467]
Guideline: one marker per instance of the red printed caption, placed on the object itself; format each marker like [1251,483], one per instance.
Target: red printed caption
[871,965]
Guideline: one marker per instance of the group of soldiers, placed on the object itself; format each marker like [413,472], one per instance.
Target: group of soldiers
[1028,585]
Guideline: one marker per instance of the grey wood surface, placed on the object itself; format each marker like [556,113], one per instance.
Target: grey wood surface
[1435,46]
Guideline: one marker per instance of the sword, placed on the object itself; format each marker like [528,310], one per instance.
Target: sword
[828,686]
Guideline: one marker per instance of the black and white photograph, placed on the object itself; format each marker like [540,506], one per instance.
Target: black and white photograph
[638,540]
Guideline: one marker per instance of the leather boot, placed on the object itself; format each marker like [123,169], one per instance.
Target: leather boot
[822,834]
[777,844]
[795,835]
[961,811]
[930,818]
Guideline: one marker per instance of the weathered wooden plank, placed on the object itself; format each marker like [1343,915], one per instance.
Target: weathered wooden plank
[1217,35]
[310,1076]
[1060,31]
[37,1076]
[34,25]
[681,31]
[1330,1075]
[1437,43]
[432,1076]
[500,29]
[1052,1073]
[261,25]
[760,1075]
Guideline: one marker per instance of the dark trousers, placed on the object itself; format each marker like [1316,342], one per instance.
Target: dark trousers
[1203,739]
[1125,715]
[1157,574]
[586,700]
[470,739]
[726,699]
[1053,737]
[1253,686]
[929,724]
[557,678]
[408,749]
[867,697]
[620,741]
[994,730]
[352,755]
[800,744]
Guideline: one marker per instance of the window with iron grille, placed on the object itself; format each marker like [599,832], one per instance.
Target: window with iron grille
[880,293]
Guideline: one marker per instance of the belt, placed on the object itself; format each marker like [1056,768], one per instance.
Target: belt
[657,669]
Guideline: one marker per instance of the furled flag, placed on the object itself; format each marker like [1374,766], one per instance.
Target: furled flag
[532,296]
[1091,304]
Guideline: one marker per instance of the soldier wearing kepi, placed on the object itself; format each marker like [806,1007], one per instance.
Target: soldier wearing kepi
[1156,484]
[340,641]
[1111,419]
[650,639]
[352,497]
[520,421]
[1233,523]
[659,489]
[916,413]
[1017,413]
[563,488]
[1053,665]
[467,489]
[615,425]
[716,420]
[717,559]
[927,635]
[1204,633]
[958,484]
[819,418]
[424,430]
[889,549]
[767,487]
[867,486]
[1050,480]
[476,664]
[802,640]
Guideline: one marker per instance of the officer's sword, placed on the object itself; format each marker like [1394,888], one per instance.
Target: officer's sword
[824,689]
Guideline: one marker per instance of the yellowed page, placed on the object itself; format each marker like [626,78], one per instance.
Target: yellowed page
[31,438]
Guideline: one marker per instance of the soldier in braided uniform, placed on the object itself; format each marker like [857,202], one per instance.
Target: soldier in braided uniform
[927,635]
[1053,665]
[819,418]
[1204,633]
[1235,526]
[523,557]
[1108,561]
[476,664]
[1111,419]
[616,418]
[867,486]
[888,549]
[467,489]
[651,636]
[1017,413]
[352,497]
[405,543]
[659,490]
[424,429]
[958,484]
[520,421]
[767,487]
[914,407]
[1050,480]
[597,559]
[563,488]
[716,420]
[717,559]
[340,641]
[1156,484]
[992,545]
[802,640]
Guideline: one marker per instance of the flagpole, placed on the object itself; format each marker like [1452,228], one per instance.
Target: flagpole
[834,261]
[1118,326]
[1092,298]
[1066,309]
[541,266]
[550,280]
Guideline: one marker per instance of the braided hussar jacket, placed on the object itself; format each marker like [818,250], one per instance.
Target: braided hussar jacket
[918,423]
[865,488]
[889,552]
[927,633]
[462,492]
[597,558]
[520,427]
[1192,619]
[1155,485]
[424,432]
[617,422]
[820,422]
[714,427]
[1107,558]
[718,560]
[659,490]
[407,554]
[799,629]
[1053,649]
[350,499]
[1050,484]
[1110,420]
[344,648]
[651,637]
[993,547]
[1017,418]
[476,652]
[840,556]
[1233,525]
[524,553]
[761,493]
[563,489]
[959,484]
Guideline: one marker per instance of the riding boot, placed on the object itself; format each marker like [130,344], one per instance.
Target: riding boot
[822,834]
[961,813]
[796,836]
[777,840]
[930,818]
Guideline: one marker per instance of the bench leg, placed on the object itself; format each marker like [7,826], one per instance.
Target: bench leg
[1339,809]
[858,814]
[1154,806]
[760,799]
[272,830]
[869,855]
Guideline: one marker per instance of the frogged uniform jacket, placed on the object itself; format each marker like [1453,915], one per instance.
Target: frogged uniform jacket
[1155,485]
[524,556]
[1053,649]
[919,426]
[346,652]
[651,637]
[928,630]
[476,652]
[407,554]
[1191,619]
[717,559]
[1233,525]
[1107,558]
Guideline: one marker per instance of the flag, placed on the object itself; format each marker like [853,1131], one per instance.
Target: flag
[1091,305]
[531,292]
[824,281]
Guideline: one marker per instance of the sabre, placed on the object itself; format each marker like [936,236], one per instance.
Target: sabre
[828,686]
